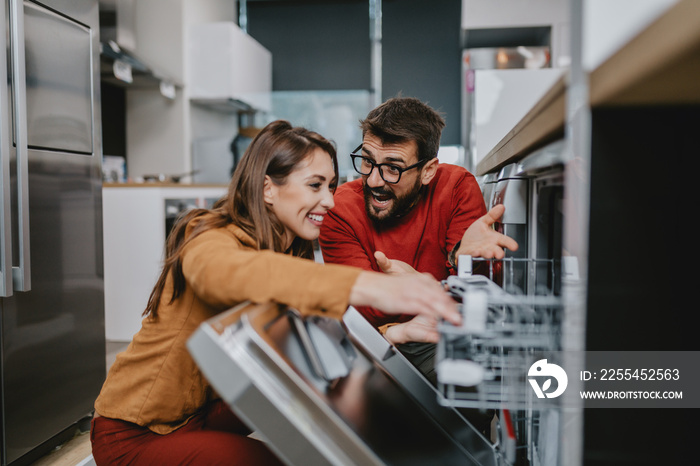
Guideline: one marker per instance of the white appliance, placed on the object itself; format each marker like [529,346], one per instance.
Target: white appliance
[499,86]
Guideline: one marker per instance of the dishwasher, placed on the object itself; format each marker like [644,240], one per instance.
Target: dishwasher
[322,391]
[514,321]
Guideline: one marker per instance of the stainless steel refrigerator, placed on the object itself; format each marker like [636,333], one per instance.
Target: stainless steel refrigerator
[52,338]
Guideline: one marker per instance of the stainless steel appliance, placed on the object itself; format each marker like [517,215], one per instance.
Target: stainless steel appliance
[324,393]
[52,304]
[512,190]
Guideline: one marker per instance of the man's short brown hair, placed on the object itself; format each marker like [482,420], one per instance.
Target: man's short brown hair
[402,119]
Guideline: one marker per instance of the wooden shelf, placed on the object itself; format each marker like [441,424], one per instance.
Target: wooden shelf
[659,66]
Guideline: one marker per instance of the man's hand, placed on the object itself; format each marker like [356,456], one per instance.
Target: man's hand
[480,240]
[421,329]
[387,265]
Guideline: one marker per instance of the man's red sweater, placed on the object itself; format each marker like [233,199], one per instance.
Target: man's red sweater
[423,237]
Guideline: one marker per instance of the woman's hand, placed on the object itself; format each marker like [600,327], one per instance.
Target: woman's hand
[404,293]
[421,329]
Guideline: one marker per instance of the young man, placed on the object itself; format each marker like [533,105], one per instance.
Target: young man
[407,212]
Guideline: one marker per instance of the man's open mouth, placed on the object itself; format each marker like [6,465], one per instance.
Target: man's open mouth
[381,198]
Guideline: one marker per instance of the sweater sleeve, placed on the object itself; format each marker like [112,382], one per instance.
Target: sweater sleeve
[223,273]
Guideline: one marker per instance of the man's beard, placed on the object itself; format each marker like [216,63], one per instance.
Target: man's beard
[399,207]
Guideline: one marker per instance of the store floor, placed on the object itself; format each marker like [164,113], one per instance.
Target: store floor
[77,451]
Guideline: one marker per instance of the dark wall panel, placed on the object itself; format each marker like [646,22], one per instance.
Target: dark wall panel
[325,45]
[422,56]
[315,45]
[113,120]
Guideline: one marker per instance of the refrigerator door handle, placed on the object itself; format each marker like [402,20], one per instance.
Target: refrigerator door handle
[5,199]
[21,275]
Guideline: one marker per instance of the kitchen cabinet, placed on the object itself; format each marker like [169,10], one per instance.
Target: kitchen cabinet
[136,217]
[229,67]
[230,83]
[630,129]
[161,131]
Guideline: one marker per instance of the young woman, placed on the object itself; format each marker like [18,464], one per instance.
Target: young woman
[155,406]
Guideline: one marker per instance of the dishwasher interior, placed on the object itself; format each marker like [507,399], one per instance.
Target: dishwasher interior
[513,314]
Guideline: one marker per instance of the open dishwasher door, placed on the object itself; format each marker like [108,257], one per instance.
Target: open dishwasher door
[317,396]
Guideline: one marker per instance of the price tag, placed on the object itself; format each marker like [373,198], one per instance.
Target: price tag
[122,71]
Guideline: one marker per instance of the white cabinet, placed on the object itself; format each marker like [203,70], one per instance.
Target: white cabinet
[160,131]
[135,220]
[225,63]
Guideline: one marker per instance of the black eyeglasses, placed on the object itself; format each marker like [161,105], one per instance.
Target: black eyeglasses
[389,172]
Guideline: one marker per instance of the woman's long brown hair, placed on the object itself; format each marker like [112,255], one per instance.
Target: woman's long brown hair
[275,152]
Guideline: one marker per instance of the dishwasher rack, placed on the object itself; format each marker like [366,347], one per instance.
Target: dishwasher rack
[512,317]
[483,363]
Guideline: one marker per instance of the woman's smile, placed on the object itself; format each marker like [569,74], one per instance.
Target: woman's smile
[316,219]
[302,202]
